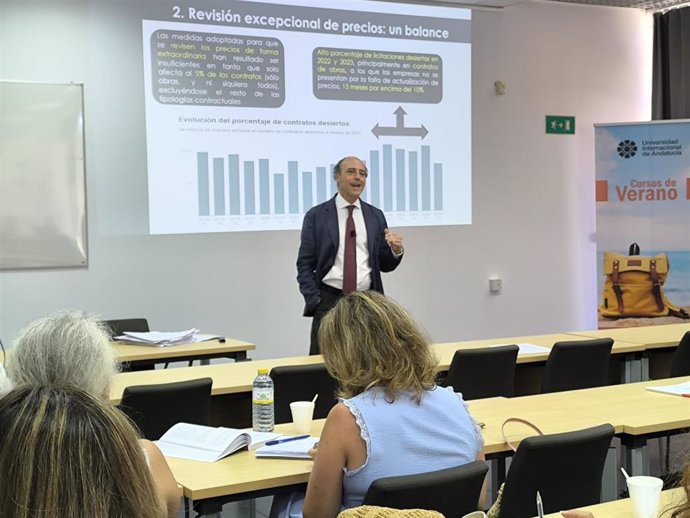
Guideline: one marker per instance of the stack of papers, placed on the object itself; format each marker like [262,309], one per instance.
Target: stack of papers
[209,444]
[165,338]
[681,389]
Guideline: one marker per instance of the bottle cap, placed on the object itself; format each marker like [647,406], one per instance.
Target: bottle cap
[263,370]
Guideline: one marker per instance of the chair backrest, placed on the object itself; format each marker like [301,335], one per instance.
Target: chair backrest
[155,408]
[577,365]
[483,372]
[302,383]
[118,327]
[565,468]
[453,492]
[680,365]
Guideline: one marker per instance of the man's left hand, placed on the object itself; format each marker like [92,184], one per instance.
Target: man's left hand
[394,240]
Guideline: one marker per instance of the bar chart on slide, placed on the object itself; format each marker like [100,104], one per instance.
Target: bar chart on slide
[399,180]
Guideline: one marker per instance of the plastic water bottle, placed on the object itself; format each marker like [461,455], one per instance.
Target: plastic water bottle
[262,402]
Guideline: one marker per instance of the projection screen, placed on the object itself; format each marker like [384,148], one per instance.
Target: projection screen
[250,104]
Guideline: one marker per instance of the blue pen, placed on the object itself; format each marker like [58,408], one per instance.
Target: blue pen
[281,441]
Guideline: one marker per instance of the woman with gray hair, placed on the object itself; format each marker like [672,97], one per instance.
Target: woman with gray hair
[70,349]
[64,349]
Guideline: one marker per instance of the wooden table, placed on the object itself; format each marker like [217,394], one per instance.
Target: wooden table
[623,508]
[232,382]
[649,415]
[539,409]
[653,338]
[528,375]
[630,409]
[230,348]
[241,476]
[228,378]
[635,413]
[238,377]
[446,350]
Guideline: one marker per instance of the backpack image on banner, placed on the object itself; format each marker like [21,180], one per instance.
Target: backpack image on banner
[634,286]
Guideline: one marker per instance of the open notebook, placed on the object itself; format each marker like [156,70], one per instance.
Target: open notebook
[298,449]
[209,444]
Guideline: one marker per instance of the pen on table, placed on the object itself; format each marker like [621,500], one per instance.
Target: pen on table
[540,506]
[281,441]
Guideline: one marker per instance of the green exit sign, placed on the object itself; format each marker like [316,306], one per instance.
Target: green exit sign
[560,125]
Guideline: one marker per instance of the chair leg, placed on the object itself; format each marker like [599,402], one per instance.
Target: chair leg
[644,370]
[664,455]
[497,475]
[609,481]
[667,456]
[636,459]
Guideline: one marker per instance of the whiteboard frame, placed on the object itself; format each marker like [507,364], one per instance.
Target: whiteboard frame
[57,238]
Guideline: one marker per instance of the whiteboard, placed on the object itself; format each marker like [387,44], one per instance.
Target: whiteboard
[42,177]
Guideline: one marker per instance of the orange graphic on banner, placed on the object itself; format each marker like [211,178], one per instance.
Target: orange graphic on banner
[602,190]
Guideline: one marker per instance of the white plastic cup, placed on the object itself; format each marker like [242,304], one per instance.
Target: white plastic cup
[645,493]
[302,413]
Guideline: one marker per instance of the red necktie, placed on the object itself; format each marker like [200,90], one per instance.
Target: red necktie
[350,260]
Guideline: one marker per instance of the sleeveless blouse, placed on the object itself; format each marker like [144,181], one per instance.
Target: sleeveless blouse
[404,438]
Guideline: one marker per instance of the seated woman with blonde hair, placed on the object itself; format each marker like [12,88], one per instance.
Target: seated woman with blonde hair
[71,350]
[64,453]
[392,419]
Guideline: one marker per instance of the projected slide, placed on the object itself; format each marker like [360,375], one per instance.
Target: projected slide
[249,106]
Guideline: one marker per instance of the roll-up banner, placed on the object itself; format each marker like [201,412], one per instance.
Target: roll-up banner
[643,199]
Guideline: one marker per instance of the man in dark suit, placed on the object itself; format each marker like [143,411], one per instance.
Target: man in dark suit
[344,247]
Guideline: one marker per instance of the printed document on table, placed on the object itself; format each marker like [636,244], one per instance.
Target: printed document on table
[527,348]
[298,449]
[681,389]
[163,339]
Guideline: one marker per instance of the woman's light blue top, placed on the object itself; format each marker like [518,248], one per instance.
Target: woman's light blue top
[403,437]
